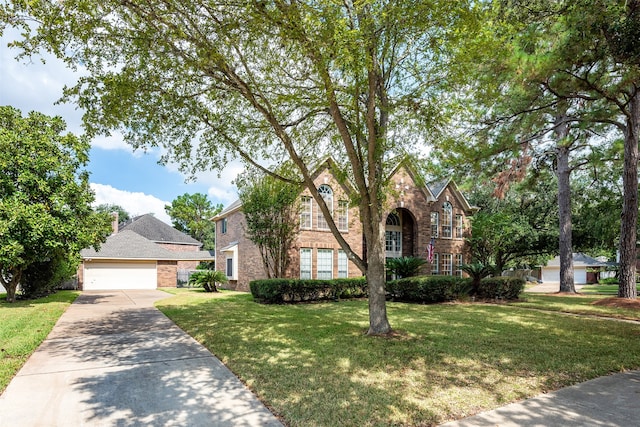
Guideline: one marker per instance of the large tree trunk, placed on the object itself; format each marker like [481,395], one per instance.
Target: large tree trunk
[563,173]
[629,219]
[376,275]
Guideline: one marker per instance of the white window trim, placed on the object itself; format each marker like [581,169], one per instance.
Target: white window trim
[330,258]
[343,204]
[310,252]
[310,206]
[435,266]
[342,255]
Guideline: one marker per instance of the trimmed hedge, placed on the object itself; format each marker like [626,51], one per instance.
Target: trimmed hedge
[278,291]
[420,289]
[428,289]
[507,288]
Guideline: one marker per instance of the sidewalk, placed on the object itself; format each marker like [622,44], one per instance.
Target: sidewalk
[612,401]
[114,359]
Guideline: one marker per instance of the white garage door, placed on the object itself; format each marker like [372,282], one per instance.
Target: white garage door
[552,275]
[120,275]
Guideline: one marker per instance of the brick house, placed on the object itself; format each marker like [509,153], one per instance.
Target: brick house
[144,253]
[416,214]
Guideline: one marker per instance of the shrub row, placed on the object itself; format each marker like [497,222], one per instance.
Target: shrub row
[428,289]
[277,291]
[420,289]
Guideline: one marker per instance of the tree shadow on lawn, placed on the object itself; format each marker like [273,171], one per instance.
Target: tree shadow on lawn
[447,361]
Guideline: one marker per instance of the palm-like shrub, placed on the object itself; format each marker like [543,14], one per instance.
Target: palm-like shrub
[477,271]
[207,279]
[407,266]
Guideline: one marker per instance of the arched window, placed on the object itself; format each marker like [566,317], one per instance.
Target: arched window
[447,220]
[327,194]
[393,236]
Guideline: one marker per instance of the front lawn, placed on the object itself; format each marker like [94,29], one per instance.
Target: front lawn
[313,365]
[611,290]
[23,326]
[580,304]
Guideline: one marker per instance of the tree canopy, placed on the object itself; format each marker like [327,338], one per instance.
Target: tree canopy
[45,199]
[266,81]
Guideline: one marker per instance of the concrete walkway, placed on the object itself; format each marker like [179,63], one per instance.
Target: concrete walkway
[549,288]
[613,400]
[113,359]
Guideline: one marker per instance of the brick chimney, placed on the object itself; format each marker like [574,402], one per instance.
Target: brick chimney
[114,223]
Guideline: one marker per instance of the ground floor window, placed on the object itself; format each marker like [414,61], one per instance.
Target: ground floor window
[343,265]
[229,267]
[435,264]
[325,264]
[459,262]
[447,265]
[305,263]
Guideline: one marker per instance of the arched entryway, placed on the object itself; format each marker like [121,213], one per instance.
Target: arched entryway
[399,234]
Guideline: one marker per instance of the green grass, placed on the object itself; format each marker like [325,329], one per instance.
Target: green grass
[23,326]
[577,304]
[611,290]
[313,364]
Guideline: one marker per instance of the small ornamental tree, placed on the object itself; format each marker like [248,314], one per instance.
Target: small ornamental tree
[271,212]
[45,199]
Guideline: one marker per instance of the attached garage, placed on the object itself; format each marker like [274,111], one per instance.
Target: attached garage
[129,261]
[106,275]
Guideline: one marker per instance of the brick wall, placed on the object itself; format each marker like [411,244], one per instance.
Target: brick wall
[167,274]
[175,247]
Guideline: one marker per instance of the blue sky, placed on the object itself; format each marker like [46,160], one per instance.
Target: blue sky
[133,180]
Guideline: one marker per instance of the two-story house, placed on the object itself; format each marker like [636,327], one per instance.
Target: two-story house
[418,215]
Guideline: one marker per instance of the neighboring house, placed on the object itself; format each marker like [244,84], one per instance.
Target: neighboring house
[581,266]
[144,253]
[416,213]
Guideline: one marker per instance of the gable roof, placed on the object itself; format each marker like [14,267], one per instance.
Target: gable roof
[228,210]
[128,244]
[151,228]
[579,260]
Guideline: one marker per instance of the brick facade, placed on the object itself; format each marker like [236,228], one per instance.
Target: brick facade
[407,197]
[176,247]
[167,272]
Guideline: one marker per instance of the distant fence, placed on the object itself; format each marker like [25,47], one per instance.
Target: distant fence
[183,278]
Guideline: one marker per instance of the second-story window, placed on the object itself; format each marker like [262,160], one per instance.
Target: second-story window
[223,226]
[342,219]
[327,194]
[435,226]
[459,227]
[306,212]
[447,220]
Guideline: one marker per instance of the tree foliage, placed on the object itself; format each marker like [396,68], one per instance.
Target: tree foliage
[191,214]
[266,81]
[45,199]
[108,208]
[271,210]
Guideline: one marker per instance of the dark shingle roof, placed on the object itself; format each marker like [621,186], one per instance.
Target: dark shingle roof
[130,245]
[151,228]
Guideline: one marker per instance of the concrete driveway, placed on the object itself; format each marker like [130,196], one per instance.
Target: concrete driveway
[114,359]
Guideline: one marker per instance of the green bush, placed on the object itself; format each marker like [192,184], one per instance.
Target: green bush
[278,291]
[428,289]
[43,278]
[207,279]
[608,281]
[507,288]
[407,266]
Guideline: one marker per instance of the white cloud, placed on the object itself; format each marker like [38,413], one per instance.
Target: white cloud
[133,202]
